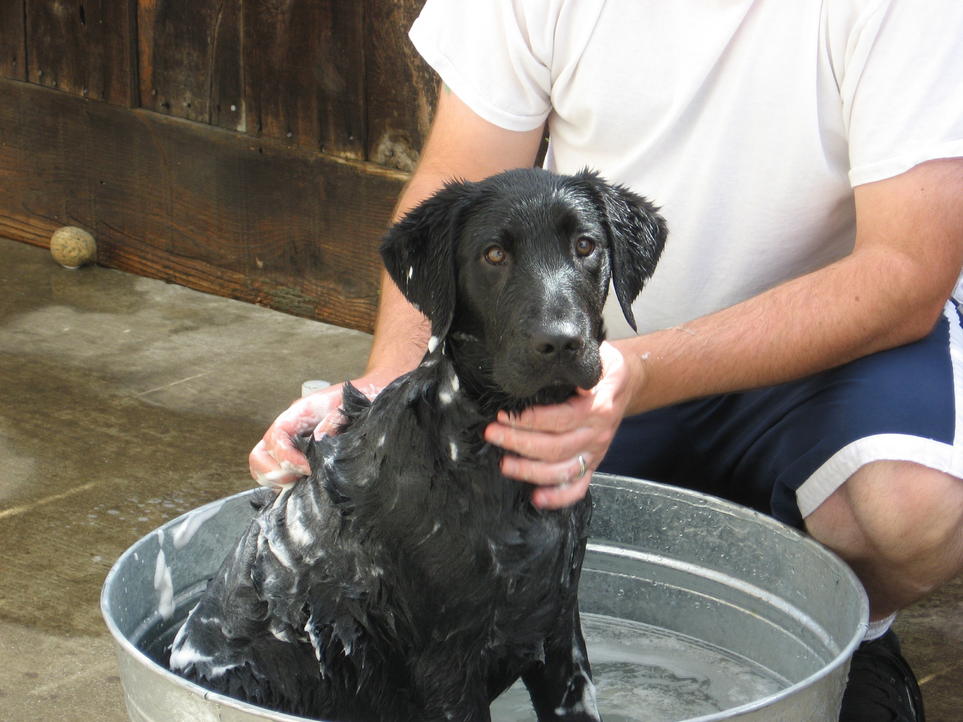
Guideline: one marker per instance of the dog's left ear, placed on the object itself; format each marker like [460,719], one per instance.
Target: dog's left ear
[636,234]
[418,253]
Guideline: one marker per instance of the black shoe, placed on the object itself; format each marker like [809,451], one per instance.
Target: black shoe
[881,687]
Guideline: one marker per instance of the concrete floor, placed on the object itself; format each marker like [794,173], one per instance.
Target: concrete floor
[125,402]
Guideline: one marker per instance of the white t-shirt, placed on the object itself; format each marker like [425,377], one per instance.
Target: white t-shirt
[747,121]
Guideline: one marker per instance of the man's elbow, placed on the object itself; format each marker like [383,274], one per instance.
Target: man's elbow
[921,314]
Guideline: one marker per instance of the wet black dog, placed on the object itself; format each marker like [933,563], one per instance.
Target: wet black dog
[406,578]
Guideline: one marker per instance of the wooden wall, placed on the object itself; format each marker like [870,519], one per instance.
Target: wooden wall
[250,148]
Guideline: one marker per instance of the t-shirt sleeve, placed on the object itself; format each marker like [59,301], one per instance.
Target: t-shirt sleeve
[902,88]
[494,55]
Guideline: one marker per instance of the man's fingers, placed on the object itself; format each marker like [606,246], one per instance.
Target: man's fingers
[541,473]
[549,447]
[557,418]
[330,424]
[270,470]
[561,495]
[275,460]
[556,485]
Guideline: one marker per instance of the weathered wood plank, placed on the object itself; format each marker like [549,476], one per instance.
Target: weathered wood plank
[304,73]
[401,89]
[217,211]
[226,95]
[82,48]
[12,59]
[190,60]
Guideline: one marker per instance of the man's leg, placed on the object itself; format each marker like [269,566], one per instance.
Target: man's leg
[899,525]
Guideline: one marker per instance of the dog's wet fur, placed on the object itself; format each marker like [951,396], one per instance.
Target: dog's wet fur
[406,578]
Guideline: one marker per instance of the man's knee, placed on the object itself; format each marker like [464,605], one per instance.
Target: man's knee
[899,514]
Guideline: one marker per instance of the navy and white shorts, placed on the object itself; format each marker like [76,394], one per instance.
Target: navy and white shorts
[784,449]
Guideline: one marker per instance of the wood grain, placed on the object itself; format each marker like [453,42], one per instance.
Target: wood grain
[13,63]
[400,88]
[189,60]
[304,73]
[82,48]
[217,211]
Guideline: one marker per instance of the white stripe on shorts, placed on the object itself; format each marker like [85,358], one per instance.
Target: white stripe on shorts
[894,447]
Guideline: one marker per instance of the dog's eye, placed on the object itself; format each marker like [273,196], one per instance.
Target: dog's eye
[496,255]
[584,247]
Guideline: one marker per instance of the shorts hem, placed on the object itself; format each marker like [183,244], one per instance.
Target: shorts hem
[882,447]
[937,455]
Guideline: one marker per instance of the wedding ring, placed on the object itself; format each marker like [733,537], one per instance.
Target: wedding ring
[582,467]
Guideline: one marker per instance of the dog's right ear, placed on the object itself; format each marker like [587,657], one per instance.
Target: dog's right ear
[636,233]
[419,252]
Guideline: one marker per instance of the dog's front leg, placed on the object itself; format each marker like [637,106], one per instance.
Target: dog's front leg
[562,688]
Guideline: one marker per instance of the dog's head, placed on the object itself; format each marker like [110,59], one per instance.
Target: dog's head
[513,272]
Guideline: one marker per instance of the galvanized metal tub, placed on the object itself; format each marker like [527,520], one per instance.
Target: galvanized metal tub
[713,591]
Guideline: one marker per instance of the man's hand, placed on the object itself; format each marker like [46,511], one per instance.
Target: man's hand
[275,460]
[557,447]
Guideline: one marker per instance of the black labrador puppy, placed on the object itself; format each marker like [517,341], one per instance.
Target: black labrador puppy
[406,578]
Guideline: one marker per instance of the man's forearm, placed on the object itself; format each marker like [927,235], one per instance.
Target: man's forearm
[401,333]
[809,324]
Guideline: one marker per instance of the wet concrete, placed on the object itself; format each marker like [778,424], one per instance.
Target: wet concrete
[125,402]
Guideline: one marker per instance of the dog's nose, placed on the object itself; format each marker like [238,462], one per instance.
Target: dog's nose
[562,341]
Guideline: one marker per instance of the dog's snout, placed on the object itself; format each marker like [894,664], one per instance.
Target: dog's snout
[558,342]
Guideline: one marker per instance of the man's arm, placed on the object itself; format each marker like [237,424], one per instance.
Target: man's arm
[889,291]
[460,145]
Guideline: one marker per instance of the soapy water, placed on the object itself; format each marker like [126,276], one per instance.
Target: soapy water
[642,673]
[648,674]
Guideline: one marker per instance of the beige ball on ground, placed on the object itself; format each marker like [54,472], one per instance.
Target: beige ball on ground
[72,247]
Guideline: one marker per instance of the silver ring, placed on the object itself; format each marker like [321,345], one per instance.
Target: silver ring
[582,467]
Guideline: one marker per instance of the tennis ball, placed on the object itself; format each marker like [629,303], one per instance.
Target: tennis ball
[72,247]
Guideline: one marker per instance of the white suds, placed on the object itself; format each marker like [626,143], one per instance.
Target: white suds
[279,478]
[300,534]
[275,545]
[281,554]
[313,636]
[188,528]
[183,655]
[446,395]
[164,586]
[281,494]
[280,632]
[432,344]
[453,450]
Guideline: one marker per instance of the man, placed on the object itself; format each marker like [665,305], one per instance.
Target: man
[798,349]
